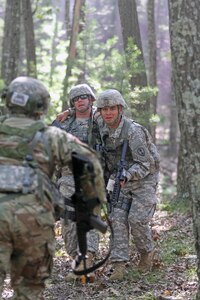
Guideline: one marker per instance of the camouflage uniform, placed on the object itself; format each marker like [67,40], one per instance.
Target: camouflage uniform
[27,216]
[137,200]
[81,128]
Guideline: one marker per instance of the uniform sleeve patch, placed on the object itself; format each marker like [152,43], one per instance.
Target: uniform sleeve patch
[141,151]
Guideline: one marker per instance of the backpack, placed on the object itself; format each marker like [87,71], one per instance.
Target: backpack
[19,172]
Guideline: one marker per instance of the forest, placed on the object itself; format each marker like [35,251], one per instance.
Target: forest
[149,51]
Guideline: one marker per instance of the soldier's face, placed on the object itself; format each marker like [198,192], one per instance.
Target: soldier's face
[111,115]
[82,104]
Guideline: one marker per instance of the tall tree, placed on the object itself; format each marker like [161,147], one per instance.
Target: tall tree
[67,18]
[11,41]
[173,131]
[29,38]
[130,29]
[72,48]
[185,41]
[53,42]
[152,80]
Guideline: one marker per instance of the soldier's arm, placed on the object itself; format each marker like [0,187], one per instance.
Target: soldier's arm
[65,114]
[142,158]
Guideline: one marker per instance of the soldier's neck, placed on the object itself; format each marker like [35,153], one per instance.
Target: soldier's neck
[83,115]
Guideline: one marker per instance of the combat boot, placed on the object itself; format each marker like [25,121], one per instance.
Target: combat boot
[146,262]
[119,271]
[89,263]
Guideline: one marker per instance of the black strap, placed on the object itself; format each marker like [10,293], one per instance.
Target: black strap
[68,202]
[99,264]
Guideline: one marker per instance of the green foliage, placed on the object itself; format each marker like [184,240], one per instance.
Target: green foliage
[98,63]
[175,206]
[2,86]
[104,67]
[176,245]
[139,96]
[136,65]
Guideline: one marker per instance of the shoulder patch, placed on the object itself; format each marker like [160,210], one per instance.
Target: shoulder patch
[141,151]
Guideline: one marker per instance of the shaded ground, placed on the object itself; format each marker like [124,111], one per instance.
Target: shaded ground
[173,276]
[174,273]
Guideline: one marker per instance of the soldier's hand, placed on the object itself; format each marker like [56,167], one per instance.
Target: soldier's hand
[63,115]
[123,182]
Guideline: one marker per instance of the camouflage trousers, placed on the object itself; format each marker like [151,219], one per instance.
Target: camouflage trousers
[66,187]
[134,224]
[27,244]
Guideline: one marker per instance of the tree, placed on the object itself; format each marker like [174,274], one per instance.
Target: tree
[131,32]
[11,42]
[67,18]
[185,41]
[54,44]
[152,80]
[29,38]
[130,28]
[72,48]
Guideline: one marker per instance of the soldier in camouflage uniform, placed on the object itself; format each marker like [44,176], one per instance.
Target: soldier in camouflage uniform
[79,123]
[29,152]
[137,199]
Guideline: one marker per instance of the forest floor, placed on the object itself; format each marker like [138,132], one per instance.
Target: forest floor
[174,273]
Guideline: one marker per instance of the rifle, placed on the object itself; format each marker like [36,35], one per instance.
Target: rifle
[119,177]
[84,217]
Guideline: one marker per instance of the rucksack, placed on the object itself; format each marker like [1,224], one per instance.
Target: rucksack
[19,172]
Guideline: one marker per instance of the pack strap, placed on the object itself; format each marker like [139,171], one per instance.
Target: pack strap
[9,196]
[41,137]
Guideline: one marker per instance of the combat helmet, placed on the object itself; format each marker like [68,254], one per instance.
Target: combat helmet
[80,89]
[27,95]
[110,97]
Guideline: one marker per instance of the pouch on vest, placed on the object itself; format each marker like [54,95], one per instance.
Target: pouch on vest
[18,179]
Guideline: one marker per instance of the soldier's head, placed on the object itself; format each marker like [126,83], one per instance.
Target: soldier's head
[81,97]
[110,103]
[27,95]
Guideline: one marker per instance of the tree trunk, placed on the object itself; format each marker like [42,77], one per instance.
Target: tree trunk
[130,29]
[67,18]
[11,41]
[72,49]
[185,41]
[82,74]
[152,81]
[173,131]
[53,44]
[29,38]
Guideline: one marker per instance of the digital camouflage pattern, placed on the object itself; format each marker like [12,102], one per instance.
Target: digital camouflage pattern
[26,220]
[110,98]
[140,189]
[77,127]
[27,95]
[80,89]
[82,129]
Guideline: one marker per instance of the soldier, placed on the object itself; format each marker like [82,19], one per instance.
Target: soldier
[29,152]
[137,199]
[79,123]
